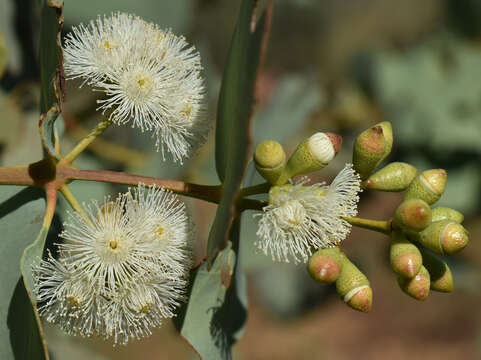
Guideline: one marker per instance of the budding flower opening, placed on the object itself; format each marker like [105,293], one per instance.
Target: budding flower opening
[300,218]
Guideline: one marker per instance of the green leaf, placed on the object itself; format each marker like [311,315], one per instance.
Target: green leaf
[233,116]
[215,316]
[21,215]
[51,71]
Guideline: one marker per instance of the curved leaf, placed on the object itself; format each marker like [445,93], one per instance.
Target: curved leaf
[234,111]
[21,215]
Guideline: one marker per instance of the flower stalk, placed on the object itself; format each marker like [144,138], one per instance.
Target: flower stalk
[82,145]
[375,225]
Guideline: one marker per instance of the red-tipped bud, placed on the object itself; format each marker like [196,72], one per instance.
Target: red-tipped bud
[412,215]
[354,288]
[325,265]
[443,237]
[371,148]
[406,259]
[417,287]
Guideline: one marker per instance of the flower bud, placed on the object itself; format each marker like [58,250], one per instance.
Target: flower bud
[406,259]
[311,155]
[418,286]
[441,276]
[270,160]
[393,177]
[326,264]
[443,237]
[412,215]
[428,186]
[353,286]
[387,131]
[371,148]
[444,213]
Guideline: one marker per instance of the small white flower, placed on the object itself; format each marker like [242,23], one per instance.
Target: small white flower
[121,270]
[301,218]
[151,78]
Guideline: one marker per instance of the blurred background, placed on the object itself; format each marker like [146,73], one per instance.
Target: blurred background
[332,65]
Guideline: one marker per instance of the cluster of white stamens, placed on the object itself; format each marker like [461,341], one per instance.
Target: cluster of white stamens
[300,219]
[151,78]
[117,275]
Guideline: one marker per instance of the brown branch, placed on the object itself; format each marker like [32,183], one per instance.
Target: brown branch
[210,193]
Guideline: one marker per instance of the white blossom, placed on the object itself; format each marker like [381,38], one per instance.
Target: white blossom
[300,219]
[121,269]
[151,78]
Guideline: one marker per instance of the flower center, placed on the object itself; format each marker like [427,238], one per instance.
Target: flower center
[138,86]
[109,46]
[291,214]
[113,244]
[73,301]
[145,308]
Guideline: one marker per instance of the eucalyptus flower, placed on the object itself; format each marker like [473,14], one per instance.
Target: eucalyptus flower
[300,218]
[151,78]
[122,268]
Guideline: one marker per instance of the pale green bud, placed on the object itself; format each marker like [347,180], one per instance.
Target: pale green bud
[428,186]
[311,155]
[353,286]
[417,287]
[406,259]
[441,276]
[371,147]
[412,215]
[444,213]
[395,176]
[270,160]
[443,237]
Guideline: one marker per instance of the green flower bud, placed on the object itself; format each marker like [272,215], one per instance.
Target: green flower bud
[443,237]
[412,215]
[326,264]
[387,131]
[393,177]
[441,276]
[406,259]
[353,286]
[311,155]
[270,160]
[428,186]
[418,286]
[371,148]
[444,213]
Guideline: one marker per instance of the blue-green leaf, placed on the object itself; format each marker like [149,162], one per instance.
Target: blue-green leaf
[51,71]
[233,116]
[21,215]
[215,316]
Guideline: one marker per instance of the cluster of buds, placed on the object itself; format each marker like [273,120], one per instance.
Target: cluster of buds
[417,231]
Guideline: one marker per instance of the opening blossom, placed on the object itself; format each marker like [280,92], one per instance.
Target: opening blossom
[302,218]
[121,270]
[151,78]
